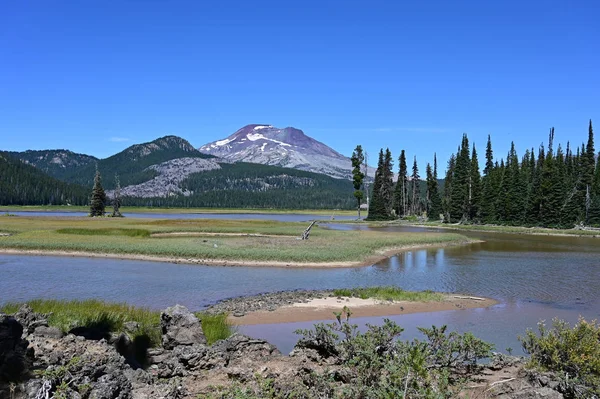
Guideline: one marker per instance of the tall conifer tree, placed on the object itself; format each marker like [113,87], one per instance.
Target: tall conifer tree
[401,189]
[358,176]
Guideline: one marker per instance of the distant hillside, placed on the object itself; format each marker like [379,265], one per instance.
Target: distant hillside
[247,185]
[23,184]
[56,163]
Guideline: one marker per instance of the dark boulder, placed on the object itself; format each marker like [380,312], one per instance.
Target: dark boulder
[180,327]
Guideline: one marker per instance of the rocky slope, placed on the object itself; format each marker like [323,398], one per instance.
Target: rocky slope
[288,147]
[170,176]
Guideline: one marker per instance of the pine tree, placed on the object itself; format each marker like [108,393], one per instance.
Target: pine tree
[448,184]
[488,190]
[459,197]
[594,211]
[387,183]
[434,203]
[116,202]
[534,204]
[377,209]
[474,187]
[358,176]
[415,191]
[401,189]
[98,199]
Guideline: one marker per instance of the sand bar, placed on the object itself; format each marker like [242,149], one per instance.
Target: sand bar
[323,308]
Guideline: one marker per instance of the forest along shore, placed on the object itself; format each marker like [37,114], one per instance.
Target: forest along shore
[312,305]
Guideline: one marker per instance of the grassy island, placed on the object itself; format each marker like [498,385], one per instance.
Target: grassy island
[203,241]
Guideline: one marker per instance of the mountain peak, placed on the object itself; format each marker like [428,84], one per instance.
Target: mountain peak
[288,147]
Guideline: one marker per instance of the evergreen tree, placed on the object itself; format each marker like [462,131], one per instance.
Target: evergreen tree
[401,189]
[533,214]
[474,187]
[387,182]
[377,208]
[594,211]
[459,196]
[358,176]
[98,199]
[434,203]
[416,192]
[116,202]
[551,189]
[489,189]
[448,184]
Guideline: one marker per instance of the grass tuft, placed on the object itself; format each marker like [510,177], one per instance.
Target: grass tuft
[215,326]
[389,294]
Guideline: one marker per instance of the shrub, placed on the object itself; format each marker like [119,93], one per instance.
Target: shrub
[572,353]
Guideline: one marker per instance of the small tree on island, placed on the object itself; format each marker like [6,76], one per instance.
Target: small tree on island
[116,202]
[358,176]
[98,199]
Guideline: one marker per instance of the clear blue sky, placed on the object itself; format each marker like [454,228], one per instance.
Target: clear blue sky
[98,76]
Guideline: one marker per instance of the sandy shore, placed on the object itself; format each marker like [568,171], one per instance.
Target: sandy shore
[234,262]
[323,308]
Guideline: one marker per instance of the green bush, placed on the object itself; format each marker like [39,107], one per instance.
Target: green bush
[572,353]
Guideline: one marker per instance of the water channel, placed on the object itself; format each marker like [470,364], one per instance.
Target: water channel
[533,277]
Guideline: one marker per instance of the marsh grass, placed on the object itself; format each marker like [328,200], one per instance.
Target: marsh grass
[215,326]
[110,318]
[134,236]
[389,294]
[95,314]
[106,232]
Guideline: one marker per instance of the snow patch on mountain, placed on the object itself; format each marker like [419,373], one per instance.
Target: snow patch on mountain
[288,147]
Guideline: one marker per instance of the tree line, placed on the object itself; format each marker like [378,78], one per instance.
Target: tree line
[554,187]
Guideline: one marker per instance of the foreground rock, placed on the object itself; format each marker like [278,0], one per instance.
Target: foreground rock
[37,363]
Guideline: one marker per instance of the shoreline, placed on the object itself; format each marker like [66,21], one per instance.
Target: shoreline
[321,305]
[234,262]
[520,230]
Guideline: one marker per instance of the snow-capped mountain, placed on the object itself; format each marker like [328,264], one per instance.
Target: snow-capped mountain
[288,147]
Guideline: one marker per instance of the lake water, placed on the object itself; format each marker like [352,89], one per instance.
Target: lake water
[534,277]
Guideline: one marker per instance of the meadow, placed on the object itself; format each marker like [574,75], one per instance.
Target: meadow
[209,240]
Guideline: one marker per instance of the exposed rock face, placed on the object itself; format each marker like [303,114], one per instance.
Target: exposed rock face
[170,175]
[288,147]
[180,327]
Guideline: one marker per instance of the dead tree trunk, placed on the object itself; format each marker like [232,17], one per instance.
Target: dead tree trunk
[307,231]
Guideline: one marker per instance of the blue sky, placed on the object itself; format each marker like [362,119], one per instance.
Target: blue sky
[96,77]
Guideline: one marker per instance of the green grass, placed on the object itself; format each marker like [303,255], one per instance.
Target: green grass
[215,326]
[67,315]
[134,236]
[106,232]
[91,313]
[389,294]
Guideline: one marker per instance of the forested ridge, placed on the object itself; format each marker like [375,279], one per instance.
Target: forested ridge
[23,184]
[551,187]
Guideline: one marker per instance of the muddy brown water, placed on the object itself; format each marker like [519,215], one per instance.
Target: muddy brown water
[533,277]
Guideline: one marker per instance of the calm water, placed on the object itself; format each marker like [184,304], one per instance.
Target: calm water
[291,217]
[534,277]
